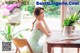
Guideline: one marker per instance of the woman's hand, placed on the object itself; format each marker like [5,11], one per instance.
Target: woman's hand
[49,34]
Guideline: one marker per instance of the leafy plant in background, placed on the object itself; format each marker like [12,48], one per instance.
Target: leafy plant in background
[8,33]
[52,9]
[7,8]
[29,8]
[23,7]
[71,19]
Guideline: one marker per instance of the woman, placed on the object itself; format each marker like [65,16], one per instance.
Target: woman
[39,28]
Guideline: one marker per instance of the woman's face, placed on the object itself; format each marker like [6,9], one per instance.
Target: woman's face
[41,15]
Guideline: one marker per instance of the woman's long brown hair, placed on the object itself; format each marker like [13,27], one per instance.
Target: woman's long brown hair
[36,12]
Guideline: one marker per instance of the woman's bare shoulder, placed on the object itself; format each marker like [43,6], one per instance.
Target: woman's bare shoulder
[38,24]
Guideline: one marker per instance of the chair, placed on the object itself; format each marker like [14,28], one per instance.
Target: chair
[21,43]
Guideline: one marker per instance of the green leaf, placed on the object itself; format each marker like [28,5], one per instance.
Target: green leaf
[69,21]
[8,32]
[4,34]
[5,17]
[9,29]
[75,17]
[21,35]
[13,28]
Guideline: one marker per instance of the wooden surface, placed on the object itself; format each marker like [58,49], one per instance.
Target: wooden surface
[60,40]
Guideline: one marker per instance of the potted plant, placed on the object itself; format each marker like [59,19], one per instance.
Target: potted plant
[69,22]
[8,34]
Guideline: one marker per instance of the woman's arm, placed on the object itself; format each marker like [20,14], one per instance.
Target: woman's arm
[45,25]
[40,27]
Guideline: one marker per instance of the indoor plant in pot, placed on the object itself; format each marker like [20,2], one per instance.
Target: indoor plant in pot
[69,22]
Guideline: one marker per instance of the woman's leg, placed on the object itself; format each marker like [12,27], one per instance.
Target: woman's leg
[36,47]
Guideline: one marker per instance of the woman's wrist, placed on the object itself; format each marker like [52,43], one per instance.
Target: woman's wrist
[49,34]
